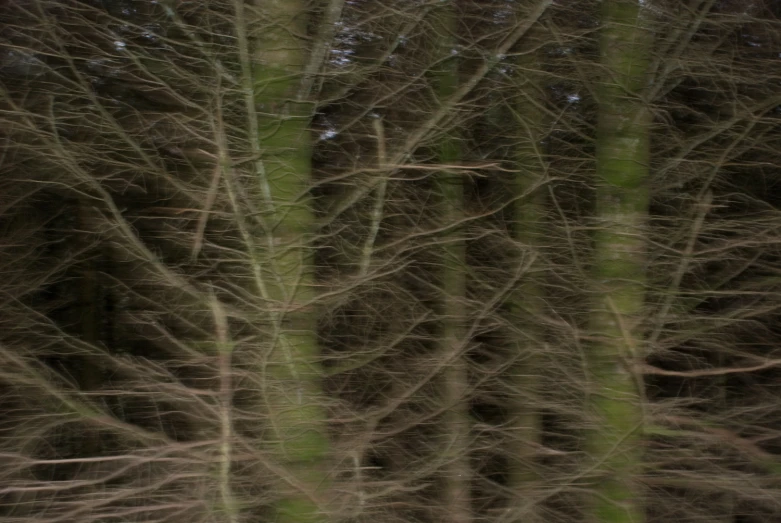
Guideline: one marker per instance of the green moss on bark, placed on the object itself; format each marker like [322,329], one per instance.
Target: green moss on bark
[292,392]
[618,272]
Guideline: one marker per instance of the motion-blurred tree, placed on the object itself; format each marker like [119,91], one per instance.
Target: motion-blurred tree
[496,260]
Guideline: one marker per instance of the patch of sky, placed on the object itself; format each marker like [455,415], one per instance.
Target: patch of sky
[751,40]
[341,56]
[329,134]
[500,15]
[150,33]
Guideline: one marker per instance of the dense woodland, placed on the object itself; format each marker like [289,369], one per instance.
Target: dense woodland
[298,261]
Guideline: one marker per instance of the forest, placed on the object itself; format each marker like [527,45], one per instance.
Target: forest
[390,261]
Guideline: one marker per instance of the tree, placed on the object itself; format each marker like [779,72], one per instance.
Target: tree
[277,78]
[527,306]
[389,261]
[453,339]
[618,271]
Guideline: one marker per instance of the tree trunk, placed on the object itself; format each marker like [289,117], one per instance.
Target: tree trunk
[284,262]
[527,301]
[452,340]
[618,272]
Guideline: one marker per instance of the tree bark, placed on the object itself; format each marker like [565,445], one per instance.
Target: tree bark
[529,202]
[284,263]
[618,272]
[452,340]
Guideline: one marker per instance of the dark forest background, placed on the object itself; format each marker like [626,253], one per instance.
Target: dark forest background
[392,261]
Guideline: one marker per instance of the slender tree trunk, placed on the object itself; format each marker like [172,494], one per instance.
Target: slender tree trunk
[527,300]
[618,272]
[284,273]
[457,472]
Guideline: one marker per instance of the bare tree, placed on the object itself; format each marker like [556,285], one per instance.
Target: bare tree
[618,266]
[477,260]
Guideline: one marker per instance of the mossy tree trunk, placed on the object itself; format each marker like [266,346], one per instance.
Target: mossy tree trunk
[277,56]
[618,271]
